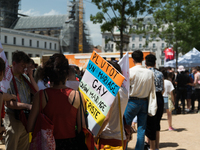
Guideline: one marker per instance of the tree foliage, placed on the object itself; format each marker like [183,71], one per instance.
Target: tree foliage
[177,21]
[116,13]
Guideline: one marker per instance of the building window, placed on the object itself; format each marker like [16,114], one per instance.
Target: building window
[111,38]
[49,45]
[55,46]
[163,45]
[30,43]
[14,40]
[163,54]
[38,44]
[140,45]
[133,46]
[111,46]
[133,38]
[45,44]
[37,55]
[154,45]
[5,39]
[140,38]
[30,55]
[147,37]
[6,53]
[143,26]
[163,39]
[23,42]
[147,46]
[162,61]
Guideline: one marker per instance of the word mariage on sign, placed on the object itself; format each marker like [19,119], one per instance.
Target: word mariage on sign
[99,86]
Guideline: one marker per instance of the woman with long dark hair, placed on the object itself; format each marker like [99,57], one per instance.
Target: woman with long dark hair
[60,104]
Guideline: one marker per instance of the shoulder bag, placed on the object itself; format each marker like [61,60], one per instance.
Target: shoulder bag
[43,138]
[84,137]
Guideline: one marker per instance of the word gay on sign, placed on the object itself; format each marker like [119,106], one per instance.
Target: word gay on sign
[99,86]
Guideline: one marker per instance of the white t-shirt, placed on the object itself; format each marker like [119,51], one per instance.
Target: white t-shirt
[41,85]
[72,84]
[168,88]
[112,129]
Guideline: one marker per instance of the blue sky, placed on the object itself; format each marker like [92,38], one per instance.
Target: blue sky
[55,7]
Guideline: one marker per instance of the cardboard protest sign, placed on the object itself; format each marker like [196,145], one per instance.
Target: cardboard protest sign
[99,86]
[5,83]
[124,64]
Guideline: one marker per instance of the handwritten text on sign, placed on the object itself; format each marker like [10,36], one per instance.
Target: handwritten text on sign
[99,86]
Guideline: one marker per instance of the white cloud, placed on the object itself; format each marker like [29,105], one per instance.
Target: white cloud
[95,33]
[52,12]
[30,12]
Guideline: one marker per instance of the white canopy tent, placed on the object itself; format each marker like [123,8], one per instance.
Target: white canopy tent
[190,59]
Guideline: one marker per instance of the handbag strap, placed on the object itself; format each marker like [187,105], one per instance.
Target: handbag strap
[15,85]
[120,119]
[30,85]
[40,94]
[45,96]
[74,98]
[81,108]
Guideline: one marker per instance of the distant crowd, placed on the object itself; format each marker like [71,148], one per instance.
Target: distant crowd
[52,88]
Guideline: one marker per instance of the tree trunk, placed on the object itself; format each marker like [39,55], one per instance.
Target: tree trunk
[176,55]
[121,43]
[122,30]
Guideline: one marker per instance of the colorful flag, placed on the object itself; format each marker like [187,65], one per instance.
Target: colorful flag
[99,86]
[124,64]
[5,83]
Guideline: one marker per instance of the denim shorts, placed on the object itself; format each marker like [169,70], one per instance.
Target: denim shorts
[166,103]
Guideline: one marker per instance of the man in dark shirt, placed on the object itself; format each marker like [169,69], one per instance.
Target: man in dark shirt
[182,81]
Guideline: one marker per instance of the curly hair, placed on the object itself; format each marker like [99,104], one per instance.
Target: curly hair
[56,69]
[2,66]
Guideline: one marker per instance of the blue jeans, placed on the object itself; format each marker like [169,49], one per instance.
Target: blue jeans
[137,108]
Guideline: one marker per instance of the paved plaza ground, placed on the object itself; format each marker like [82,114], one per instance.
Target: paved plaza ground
[186,136]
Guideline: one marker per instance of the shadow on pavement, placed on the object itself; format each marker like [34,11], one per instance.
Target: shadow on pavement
[181,129]
[168,144]
[181,149]
[130,148]
[177,130]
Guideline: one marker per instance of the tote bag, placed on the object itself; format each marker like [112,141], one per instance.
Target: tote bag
[152,104]
[170,103]
[85,137]
[43,138]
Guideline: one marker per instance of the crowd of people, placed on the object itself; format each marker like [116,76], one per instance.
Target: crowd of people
[56,82]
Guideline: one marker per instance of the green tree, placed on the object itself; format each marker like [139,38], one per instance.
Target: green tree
[116,13]
[178,21]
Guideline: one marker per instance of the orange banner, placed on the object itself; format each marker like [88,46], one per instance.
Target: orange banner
[107,68]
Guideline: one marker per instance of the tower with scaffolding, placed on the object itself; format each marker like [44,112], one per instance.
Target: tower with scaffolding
[74,30]
[64,27]
[9,12]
